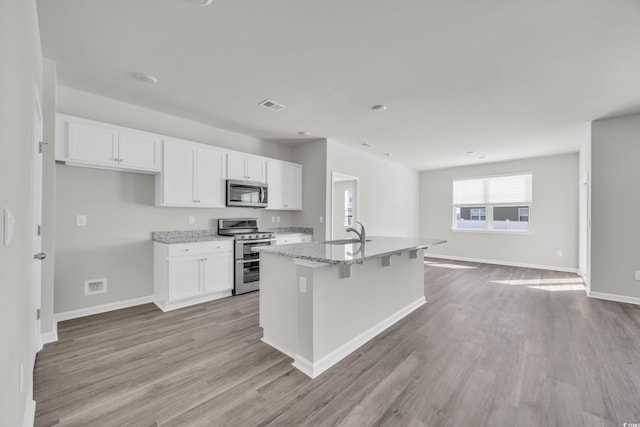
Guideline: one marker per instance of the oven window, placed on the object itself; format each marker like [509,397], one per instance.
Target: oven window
[251,272]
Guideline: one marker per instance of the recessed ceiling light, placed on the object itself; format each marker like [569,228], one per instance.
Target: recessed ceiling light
[481,157]
[387,154]
[366,145]
[203,2]
[304,133]
[378,108]
[147,78]
[471,153]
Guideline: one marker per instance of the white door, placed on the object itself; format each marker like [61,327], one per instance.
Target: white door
[93,144]
[255,169]
[236,166]
[185,278]
[275,185]
[140,151]
[210,173]
[583,266]
[218,272]
[178,173]
[36,221]
[292,187]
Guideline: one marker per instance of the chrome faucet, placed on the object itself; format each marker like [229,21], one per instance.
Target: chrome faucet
[361,235]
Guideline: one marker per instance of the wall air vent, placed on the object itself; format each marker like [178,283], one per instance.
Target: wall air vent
[95,286]
[267,103]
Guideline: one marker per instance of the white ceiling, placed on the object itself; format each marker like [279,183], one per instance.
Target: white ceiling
[505,78]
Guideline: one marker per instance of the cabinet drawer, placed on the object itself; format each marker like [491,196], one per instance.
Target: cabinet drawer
[197,248]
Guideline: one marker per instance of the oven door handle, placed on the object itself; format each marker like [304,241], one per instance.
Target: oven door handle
[250,242]
[245,261]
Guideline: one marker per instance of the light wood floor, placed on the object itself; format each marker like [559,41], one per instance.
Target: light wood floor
[494,346]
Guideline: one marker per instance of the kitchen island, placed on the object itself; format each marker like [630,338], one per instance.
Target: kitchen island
[320,301]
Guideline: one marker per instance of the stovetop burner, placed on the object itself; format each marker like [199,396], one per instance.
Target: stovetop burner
[242,229]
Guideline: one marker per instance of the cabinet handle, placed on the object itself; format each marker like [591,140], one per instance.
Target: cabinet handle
[120,160]
[186,250]
[115,159]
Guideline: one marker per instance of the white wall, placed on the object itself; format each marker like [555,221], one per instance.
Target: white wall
[615,231]
[116,243]
[388,192]
[313,156]
[554,214]
[21,67]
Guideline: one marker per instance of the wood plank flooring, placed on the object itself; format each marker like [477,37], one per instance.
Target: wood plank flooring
[494,346]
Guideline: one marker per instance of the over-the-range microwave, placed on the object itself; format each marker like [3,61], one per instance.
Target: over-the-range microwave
[248,194]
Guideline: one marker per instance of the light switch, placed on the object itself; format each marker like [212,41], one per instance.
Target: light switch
[302,281]
[9,222]
[192,219]
[278,219]
[81,220]
[321,220]
[637,275]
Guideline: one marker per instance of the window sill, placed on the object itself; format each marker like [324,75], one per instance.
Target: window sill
[508,232]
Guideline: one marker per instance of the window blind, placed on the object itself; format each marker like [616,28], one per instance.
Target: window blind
[496,189]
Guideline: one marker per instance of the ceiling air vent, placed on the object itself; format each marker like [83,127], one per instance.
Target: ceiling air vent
[267,103]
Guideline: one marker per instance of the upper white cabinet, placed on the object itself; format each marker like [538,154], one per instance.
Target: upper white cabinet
[192,175]
[285,185]
[246,167]
[93,144]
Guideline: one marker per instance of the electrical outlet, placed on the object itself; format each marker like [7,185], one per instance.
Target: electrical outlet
[559,252]
[273,219]
[302,282]
[637,275]
[81,220]
[192,219]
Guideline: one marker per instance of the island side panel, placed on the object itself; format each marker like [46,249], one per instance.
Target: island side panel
[278,303]
[345,309]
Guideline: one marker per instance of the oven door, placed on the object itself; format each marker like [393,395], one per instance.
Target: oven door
[246,193]
[247,269]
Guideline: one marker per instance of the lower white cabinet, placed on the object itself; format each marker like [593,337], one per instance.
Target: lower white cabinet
[191,273]
[287,238]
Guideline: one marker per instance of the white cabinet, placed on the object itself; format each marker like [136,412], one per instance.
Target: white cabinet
[191,273]
[285,185]
[287,238]
[192,175]
[88,143]
[246,167]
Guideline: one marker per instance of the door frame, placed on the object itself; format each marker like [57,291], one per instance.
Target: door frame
[37,135]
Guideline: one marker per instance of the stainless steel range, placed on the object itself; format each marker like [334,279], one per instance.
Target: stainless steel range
[247,263]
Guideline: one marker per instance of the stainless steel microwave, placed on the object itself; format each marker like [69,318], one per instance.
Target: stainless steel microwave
[248,194]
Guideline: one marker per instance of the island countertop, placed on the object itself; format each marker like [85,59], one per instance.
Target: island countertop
[350,252]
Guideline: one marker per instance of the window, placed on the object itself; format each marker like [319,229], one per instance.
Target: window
[497,203]
[348,207]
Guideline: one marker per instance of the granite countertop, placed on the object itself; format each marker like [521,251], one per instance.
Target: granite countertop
[350,253]
[291,230]
[186,236]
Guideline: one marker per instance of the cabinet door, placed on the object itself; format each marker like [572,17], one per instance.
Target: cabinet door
[236,168]
[178,173]
[274,183]
[93,144]
[185,277]
[291,186]
[255,168]
[218,272]
[139,151]
[210,177]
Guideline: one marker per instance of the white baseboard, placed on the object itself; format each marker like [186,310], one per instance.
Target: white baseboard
[507,263]
[49,337]
[74,314]
[29,416]
[312,369]
[169,306]
[614,297]
[285,351]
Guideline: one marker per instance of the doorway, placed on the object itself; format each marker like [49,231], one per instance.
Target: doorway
[344,204]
